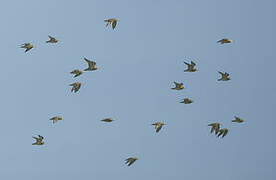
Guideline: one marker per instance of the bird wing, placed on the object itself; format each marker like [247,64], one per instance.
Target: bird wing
[131,162]
[212,124]
[27,49]
[217,128]
[186,63]
[225,132]
[90,63]
[193,63]
[212,129]
[36,138]
[176,84]
[52,38]
[86,60]
[114,23]
[25,45]
[158,128]
[220,132]
[128,159]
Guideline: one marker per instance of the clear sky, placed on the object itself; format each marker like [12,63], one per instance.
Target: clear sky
[138,62]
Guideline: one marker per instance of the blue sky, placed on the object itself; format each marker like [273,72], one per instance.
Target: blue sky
[138,62]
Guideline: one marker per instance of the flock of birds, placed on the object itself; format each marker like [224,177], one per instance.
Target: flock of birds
[191,67]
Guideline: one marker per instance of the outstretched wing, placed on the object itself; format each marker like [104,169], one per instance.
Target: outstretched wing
[51,37]
[186,63]
[28,48]
[36,138]
[221,41]
[158,128]
[127,160]
[114,23]
[87,60]
[225,132]
[90,63]
[131,162]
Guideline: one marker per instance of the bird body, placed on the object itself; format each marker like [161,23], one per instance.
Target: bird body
[75,86]
[56,119]
[224,76]
[225,41]
[238,120]
[215,127]
[191,67]
[92,66]
[27,46]
[107,120]
[223,132]
[158,126]
[178,86]
[52,40]
[187,101]
[113,22]
[131,160]
[76,72]
[39,140]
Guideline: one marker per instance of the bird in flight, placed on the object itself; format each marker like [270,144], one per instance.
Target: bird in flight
[225,41]
[27,46]
[222,132]
[76,72]
[238,120]
[158,126]
[107,120]
[224,76]
[215,127]
[187,101]
[113,22]
[178,86]
[39,140]
[75,86]
[52,40]
[91,65]
[56,119]
[191,67]
[131,160]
